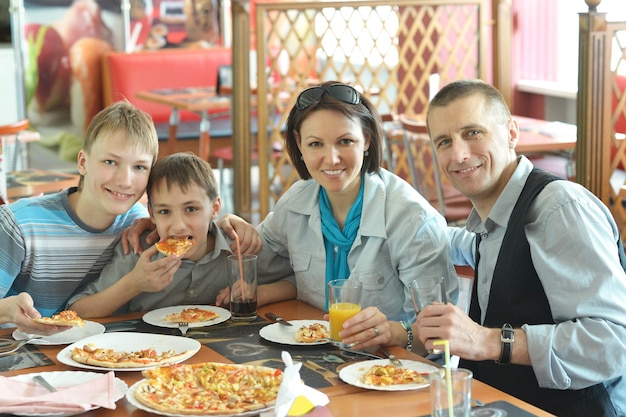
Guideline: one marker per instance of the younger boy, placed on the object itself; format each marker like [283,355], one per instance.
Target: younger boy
[51,245]
[183,202]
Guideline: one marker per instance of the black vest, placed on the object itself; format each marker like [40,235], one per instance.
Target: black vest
[517,297]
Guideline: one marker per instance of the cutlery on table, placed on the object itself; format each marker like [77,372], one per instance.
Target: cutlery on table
[11,345]
[42,381]
[183,326]
[278,319]
[395,361]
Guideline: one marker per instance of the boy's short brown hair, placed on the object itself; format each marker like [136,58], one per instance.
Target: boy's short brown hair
[183,169]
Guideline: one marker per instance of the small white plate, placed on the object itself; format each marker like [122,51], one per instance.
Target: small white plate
[130,397]
[68,378]
[131,342]
[353,374]
[157,317]
[72,335]
[286,335]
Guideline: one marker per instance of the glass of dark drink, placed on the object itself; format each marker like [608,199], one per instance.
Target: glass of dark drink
[242,282]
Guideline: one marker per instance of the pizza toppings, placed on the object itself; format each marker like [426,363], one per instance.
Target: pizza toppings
[192,315]
[89,354]
[209,388]
[312,333]
[64,318]
[381,375]
[174,246]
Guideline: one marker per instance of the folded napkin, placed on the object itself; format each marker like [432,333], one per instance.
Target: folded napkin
[30,398]
[294,397]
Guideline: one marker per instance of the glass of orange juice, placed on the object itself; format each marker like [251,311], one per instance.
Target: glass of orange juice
[344,301]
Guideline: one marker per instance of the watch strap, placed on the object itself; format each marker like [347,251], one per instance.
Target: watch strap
[507,337]
[409,334]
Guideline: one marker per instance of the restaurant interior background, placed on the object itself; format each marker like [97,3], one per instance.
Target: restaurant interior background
[543,67]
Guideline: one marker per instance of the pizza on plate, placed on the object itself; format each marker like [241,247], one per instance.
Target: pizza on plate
[192,315]
[209,388]
[89,354]
[312,333]
[174,246]
[381,375]
[64,318]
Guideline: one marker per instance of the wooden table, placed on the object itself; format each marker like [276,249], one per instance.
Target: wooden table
[541,136]
[35,182]
[200,100]
[345,400]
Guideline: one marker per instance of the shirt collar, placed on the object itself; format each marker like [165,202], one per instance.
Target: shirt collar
[502,209]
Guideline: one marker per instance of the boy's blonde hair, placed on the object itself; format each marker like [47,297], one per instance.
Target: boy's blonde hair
[183,169]
[122,116]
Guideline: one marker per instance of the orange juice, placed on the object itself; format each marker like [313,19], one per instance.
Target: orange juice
[340,312]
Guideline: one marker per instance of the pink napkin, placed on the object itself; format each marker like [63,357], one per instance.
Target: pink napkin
[30,398]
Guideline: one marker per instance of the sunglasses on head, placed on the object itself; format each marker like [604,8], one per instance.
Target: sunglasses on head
[341,92]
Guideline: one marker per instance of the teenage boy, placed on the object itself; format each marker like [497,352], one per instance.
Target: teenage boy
[51,245]
[183,202]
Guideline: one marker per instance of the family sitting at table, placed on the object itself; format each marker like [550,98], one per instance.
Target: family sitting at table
[549,284]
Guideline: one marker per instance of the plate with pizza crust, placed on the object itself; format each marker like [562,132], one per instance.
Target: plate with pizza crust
[60,379]
[132,342]
[286,335]
[158,317]
[130,397]
[71,335]
[353,374]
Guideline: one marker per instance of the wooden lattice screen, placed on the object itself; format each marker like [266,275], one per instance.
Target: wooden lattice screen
[601,112]
[389,49]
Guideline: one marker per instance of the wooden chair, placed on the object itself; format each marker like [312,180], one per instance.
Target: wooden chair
[417,156]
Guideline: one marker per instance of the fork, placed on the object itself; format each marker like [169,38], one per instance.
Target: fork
[183,326]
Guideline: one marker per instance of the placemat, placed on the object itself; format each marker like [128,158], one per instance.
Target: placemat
[239,341]
[28,356]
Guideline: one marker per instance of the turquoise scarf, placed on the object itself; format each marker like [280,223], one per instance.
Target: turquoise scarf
[337,262]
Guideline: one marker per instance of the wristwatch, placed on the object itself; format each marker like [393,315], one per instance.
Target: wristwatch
[409,334]
[507,337]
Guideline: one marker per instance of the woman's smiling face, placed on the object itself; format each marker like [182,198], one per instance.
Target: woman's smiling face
[332,147]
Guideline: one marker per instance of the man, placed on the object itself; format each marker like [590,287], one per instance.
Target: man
[547,321]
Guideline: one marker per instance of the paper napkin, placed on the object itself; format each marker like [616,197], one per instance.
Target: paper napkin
[30,398]
[294,397]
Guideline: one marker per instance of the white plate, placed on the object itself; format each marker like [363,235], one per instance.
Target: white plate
[353,374]
[68,378]
[131,342]
[72,335]
[157,317]
[130,396]
[286,335]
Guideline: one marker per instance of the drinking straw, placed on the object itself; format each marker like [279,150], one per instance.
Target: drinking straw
[446,347]
[243,294]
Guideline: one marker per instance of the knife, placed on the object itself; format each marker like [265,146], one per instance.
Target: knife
[391,357]
[278,319]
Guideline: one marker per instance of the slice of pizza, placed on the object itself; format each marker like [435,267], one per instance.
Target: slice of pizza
[90,354]
[174,246]
[382,375]
[312,333]
[64,318]
[192,315]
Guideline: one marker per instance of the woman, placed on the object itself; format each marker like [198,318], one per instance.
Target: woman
[350,218]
